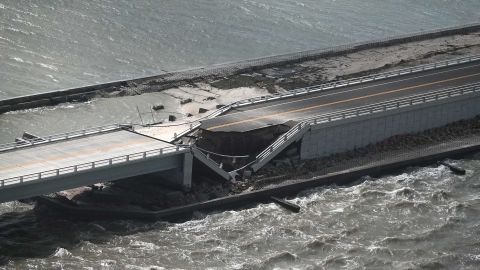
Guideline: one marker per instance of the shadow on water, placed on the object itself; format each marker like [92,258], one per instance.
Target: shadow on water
[26,235]
[39,233]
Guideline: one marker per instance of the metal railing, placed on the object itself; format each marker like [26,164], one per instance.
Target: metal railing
[45,175]
[395,104]
[301,127]
[329,86]
[279,144]
[218,167]
[192,126]
[354,81]
[60,137]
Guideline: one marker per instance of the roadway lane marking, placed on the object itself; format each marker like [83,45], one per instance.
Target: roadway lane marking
[339,102]
[351,90]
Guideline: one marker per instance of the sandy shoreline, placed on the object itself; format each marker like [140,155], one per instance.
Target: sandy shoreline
[213,92]
[192,101]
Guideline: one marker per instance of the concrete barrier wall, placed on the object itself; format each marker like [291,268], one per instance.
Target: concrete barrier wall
[86,92]
[344,135]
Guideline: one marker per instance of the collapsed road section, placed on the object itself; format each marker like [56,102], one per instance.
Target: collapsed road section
[244,136]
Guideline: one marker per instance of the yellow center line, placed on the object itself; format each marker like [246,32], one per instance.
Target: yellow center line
[339,102]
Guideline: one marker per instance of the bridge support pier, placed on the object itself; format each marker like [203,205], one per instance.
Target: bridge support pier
[180,176]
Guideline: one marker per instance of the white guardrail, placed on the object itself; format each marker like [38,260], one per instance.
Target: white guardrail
[60,137]
[358,80]
[433,96]
[45,175]
[330,86]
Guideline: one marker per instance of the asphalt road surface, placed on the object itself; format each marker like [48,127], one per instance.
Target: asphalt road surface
[51,156]
[278,112]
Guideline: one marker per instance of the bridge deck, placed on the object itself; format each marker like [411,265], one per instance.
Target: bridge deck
[72,152]
[280,111]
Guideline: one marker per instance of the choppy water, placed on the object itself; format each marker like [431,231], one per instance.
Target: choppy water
[424,218]
[47,45]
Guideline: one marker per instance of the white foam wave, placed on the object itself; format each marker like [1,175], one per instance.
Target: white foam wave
[51,67]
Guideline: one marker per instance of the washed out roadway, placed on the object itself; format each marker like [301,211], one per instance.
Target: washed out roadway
[277,112]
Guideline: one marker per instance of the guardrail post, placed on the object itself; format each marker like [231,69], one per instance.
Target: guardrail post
[3,183]
[39,175]
[161,151]
[93,165]
[57,172]
[271,149]
[178,148]
[144,155]
[285,138]
[75,168]
[21,179]
[110,161]
[127,158]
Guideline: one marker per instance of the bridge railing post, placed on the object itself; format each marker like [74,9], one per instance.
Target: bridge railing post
[3,183]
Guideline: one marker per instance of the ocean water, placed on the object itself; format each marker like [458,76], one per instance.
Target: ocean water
[49,45]
[423,218]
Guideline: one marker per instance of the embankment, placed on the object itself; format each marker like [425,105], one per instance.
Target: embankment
[384,166]
[216,72]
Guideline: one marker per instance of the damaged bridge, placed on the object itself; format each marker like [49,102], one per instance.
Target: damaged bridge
[316,121]
[343,115]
